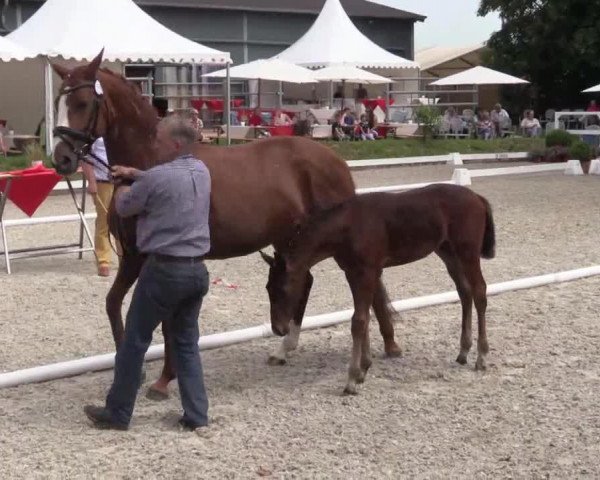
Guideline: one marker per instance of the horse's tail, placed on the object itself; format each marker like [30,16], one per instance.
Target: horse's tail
[488,247]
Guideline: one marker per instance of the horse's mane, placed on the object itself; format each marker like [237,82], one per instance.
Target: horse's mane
[140,105]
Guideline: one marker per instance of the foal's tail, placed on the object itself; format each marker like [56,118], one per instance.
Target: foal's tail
[488,247]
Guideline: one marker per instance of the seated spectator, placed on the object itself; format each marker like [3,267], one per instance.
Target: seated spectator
[364,131]
[348,122]
[530,125]
[337,132]
[256,119]
[233,118]
[593,107]
[281,118]
[499,118]
[485,128]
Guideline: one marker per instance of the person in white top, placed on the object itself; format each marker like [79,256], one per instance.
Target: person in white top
[281,118]
[101,190]
[500,118]
[530,125]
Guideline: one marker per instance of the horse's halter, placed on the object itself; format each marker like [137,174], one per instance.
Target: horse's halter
[88,136]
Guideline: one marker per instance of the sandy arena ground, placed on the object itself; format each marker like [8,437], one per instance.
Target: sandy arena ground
[533,414]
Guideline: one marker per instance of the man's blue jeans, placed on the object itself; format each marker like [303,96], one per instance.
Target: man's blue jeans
[172,293]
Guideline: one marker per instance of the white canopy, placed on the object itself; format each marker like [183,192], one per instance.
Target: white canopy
[479,76]
[333,39]
[592,89]
[268,69]
[348,73]
[79,29]
[11,51]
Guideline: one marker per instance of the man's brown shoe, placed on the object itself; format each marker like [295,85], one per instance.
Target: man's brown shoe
[102,419]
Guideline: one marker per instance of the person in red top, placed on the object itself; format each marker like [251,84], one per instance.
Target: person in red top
[593,107]
[255,119]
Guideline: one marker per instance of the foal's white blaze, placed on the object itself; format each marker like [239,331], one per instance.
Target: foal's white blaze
[62,118]
[289,342]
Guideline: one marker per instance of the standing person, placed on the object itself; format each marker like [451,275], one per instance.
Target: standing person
[173,280]
[101,190]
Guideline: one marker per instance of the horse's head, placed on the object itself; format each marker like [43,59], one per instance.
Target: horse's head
[285,288]
[81,120]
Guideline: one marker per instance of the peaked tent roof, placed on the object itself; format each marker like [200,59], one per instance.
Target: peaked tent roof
[79,29]
[11,51]
[479,76]
[320,47]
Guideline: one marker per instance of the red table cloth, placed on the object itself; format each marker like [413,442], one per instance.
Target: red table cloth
[372,103]
[30,187]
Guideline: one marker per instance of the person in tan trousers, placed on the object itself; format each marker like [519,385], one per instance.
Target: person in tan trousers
[101,190]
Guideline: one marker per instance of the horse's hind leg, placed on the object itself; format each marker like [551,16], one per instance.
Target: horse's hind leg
[159,390]
[457,273]
[385,315]
[290,341]
[472,268]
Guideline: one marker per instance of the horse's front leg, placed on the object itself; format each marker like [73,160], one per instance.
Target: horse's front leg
[363,285]
[290,341]
[130,266]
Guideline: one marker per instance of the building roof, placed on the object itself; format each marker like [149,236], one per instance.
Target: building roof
[355,8]
[430,58]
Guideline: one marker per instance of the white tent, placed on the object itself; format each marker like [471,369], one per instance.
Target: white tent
[333,39]
[348,73]
[11,51]
[592,89]
[268,69]
[479,76]
[79,29]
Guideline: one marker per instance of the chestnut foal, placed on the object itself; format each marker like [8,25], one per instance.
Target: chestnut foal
[370,232]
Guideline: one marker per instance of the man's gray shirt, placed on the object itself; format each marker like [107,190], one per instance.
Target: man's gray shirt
[172,202]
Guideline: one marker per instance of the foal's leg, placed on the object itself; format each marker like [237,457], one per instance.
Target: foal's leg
[472,269]
[290,341]
[456,271]
[363,285]
[385,315]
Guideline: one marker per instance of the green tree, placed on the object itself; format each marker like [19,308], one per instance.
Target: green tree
[555,44]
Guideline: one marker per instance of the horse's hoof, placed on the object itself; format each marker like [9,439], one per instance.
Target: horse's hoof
[276,361]
[462,358]
[393,351]
[350,390]
[156,395]
[480,365]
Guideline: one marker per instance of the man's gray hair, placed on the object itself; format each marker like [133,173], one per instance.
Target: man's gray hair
[179,128]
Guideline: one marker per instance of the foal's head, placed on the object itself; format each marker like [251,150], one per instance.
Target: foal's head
[285,287]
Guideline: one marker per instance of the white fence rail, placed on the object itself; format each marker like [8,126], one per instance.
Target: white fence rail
[218,340]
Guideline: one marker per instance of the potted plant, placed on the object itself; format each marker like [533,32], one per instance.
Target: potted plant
[583,152]
[35,154]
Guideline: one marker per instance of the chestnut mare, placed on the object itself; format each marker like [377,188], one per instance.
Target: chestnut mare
[260,191]
[371,232]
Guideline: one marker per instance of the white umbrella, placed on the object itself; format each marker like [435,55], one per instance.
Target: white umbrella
[592,89]
[348,73]
[267,69]
[479,76]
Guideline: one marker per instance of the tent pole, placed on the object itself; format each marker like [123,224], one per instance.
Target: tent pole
[331,94]
[259,89]
[49,92]
[280,94]
[227,107]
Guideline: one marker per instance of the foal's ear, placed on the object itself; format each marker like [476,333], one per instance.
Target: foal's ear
[267,258]
[92,68]
[61,71]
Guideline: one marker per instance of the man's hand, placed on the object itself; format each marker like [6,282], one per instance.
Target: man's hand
[127,173]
